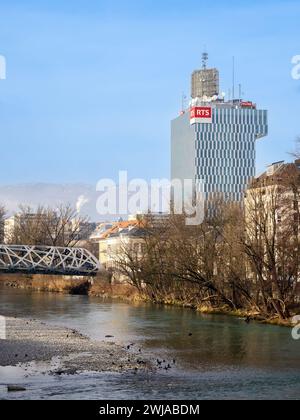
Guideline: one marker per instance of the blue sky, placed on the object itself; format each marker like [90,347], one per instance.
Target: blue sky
[92,85]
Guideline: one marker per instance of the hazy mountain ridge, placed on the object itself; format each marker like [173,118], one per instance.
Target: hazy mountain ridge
[83,197]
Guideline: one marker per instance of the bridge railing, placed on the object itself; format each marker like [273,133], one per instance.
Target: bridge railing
[47,260]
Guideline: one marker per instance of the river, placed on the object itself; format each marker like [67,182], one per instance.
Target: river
[224,358]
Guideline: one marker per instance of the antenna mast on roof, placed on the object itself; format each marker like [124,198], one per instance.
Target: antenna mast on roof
[183,102]
[233,78]
[204,60]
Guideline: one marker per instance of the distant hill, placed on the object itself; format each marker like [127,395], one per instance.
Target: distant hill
[80,196]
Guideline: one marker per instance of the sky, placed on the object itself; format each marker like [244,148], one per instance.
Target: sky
[92,86]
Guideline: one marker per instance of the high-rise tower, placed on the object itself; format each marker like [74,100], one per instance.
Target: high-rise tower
[214,141]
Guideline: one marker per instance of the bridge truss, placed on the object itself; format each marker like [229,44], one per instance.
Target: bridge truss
[47,260]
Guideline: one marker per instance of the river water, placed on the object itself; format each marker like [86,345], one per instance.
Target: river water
[223,358]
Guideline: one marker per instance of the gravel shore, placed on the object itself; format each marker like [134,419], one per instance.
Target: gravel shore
[31,340]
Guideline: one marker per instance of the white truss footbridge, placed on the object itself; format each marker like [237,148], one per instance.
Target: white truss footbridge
[47,260]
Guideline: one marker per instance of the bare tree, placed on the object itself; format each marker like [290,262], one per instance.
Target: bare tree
[48,226]
[272,244]
[128,263]
[185,264]
[244,262]
[63,226]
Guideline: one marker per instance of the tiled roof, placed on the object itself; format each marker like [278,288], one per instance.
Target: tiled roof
[119,226]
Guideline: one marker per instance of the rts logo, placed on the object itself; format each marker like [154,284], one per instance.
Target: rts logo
[2,67]
[201,114]
[296,68]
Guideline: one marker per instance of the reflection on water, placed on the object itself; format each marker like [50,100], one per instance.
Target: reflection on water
[252,360]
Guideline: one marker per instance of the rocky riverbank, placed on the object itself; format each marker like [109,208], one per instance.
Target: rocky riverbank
[32,341]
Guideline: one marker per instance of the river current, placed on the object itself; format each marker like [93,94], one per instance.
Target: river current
[217,357]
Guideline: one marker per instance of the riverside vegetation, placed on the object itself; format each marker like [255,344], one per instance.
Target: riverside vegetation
[243,260]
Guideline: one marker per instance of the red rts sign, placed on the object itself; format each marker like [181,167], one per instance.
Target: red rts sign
[248,104]
[201,114]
